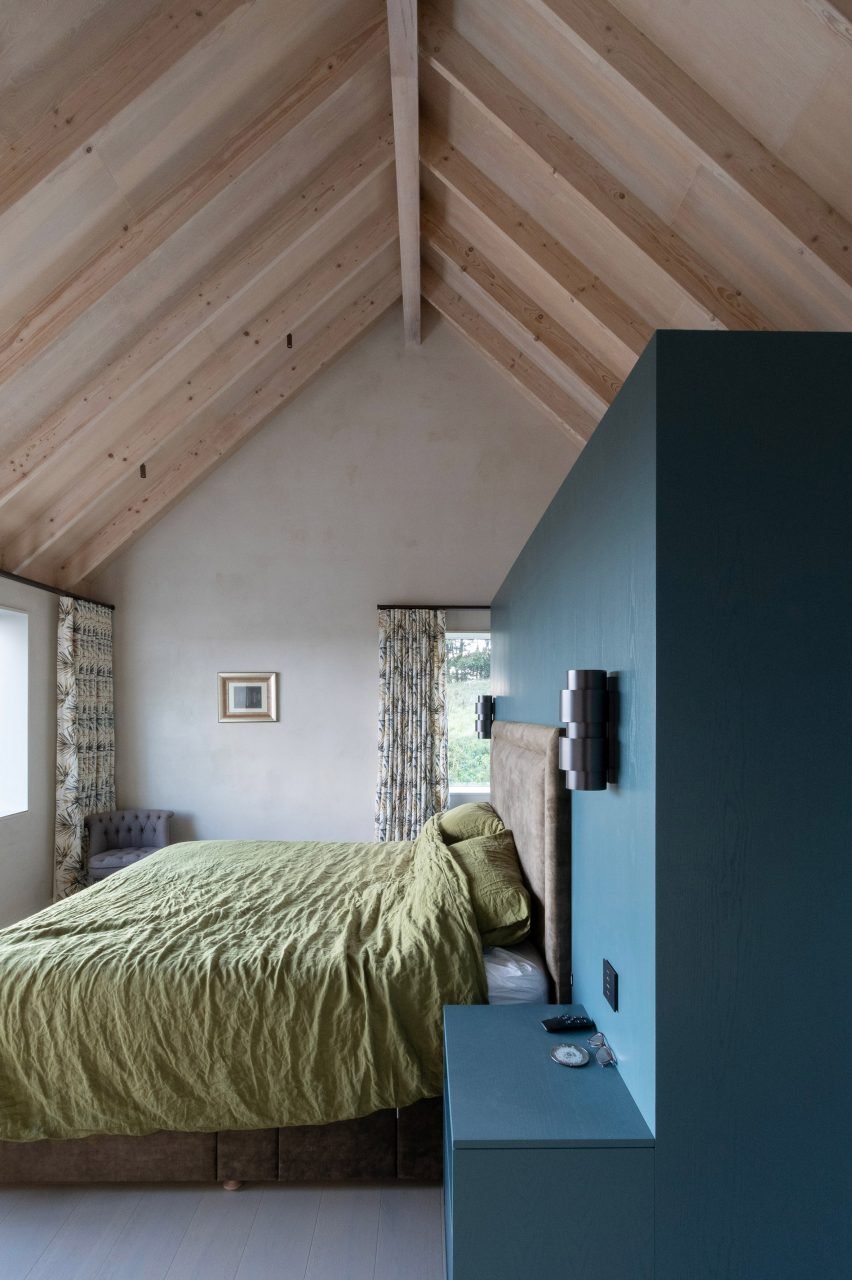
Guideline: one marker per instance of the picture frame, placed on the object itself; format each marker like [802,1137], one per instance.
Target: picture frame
[250,697]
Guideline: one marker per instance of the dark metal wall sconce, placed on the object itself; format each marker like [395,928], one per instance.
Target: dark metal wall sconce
[484,715]
[588,752]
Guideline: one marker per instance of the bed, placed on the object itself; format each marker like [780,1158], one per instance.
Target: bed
[396,1141]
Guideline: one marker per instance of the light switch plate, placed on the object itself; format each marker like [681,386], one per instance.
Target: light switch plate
[610,985]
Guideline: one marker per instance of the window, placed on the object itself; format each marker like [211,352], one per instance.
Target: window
[468,677]
[14,630]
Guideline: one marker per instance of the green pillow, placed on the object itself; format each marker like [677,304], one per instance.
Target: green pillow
[468,820]
[500,901]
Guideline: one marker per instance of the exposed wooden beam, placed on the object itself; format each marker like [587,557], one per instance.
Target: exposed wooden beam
[597,27]
[282,232]
[402,42]
[170,211]
[836,14]
[521,121]
[597,381]
[95,470]
[528,377]
[539,250]
[214,440]
[137,62]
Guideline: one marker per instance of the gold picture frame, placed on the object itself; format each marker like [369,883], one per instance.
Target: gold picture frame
[250,697]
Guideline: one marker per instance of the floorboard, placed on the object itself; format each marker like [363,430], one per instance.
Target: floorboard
[344,1245]
[6,1204]
[410,1240]
[31,1225]
[216,1238]
[204,1233]
[88,1234]
[146,1248]
[280,1241]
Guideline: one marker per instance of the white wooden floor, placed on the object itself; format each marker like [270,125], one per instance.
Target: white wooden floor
[205,1233]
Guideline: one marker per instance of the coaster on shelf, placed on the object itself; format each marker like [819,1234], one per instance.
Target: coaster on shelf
[570,1055]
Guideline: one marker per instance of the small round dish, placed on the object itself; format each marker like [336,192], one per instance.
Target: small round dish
[570,1055]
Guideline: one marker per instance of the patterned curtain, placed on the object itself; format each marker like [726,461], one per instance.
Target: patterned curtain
[413,780]
[85,736]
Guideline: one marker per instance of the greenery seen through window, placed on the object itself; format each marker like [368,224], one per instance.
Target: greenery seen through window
[468,677]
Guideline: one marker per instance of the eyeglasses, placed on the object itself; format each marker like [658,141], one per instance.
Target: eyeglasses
[604,1056]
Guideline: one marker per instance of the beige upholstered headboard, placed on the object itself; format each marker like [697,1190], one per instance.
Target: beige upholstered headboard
[528,791]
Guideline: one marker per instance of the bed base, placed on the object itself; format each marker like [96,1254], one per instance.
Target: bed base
[529,793]
[404,1144]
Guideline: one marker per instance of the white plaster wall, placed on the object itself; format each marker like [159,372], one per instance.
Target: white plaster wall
[399,475]
[26,839]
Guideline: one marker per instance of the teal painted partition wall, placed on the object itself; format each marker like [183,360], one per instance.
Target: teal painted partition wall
[735,450]
[581,594]
[754,806]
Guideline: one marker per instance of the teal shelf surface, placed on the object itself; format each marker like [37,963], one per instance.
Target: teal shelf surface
[505,1091]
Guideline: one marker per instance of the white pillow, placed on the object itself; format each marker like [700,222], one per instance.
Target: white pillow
[516,975]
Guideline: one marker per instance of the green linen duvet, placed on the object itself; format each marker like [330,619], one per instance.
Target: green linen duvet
[236,985]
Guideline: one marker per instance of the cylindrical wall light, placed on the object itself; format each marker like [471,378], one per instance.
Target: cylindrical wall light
[583,752]
[484,715]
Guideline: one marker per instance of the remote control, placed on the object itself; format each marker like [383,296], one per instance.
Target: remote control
[568,1022]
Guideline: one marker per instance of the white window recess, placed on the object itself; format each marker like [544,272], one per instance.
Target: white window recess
[14,666]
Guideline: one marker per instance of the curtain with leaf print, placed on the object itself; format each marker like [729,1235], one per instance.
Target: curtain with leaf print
[413,780]
[85,734]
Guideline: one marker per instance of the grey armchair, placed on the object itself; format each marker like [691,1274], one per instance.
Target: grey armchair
[123,837]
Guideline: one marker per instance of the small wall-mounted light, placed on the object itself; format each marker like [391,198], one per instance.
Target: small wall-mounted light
[484,715]
[588,752]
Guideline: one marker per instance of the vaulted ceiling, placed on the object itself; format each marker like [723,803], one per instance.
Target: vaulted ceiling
[203,203]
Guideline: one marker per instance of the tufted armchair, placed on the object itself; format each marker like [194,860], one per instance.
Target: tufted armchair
[123,837]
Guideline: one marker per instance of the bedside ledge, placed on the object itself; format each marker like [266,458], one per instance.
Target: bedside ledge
[535,1153]
[505,1091]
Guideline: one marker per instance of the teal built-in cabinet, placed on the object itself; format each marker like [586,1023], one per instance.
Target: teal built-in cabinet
[548,1169]
[701,550]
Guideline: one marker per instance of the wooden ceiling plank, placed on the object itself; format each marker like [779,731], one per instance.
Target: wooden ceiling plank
[81,109]
[719,139]
[402,43]
[532,381]
[526,125]
[526,236]
[213,441]
[281,232]
[98,467]
[525,274]
[836,14]
[43,324]
[523,310]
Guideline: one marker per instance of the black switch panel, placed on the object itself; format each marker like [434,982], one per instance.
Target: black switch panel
[610,985]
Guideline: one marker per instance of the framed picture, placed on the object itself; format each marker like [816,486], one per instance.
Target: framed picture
[248,695]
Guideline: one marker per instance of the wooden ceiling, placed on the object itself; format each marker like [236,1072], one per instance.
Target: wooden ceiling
[203,203]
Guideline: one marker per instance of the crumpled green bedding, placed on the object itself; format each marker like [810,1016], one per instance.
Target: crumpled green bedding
[236,985]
